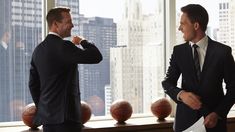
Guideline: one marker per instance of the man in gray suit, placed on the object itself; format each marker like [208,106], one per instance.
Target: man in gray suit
[204,64]
[54,77]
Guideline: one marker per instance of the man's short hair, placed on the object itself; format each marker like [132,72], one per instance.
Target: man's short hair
[197,13]
[55,14]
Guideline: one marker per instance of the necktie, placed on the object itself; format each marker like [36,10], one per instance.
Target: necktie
[196,62]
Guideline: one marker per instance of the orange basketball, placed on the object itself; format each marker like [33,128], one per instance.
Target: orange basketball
[86,112]
[28,115]
[97,105]
[161,108]
[121,110]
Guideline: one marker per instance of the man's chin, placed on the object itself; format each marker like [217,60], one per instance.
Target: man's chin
[185,39]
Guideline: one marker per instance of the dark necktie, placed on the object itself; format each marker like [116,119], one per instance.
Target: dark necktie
[196,62]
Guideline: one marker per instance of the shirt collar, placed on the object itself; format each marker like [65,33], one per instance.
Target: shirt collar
[4,44]
[56,34]
[201,43]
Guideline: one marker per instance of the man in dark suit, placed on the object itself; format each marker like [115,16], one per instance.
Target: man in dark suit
[203,70]
[53,80]
[4,74]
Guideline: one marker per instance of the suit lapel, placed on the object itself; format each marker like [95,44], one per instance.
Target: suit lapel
[209,55]
[190,56]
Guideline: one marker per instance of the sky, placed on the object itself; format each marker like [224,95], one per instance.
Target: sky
[111,8]
[91,8]
[114,8]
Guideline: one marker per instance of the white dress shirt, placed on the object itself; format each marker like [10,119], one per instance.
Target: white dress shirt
[4,45]
[202,47]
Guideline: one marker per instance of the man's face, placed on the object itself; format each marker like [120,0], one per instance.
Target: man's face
[6,37]
[187,28]
[65,26]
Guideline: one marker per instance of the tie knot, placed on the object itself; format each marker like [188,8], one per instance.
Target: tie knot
[195,46]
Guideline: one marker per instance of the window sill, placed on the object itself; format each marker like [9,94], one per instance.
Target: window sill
[133,124]
[140,124]
[107,125]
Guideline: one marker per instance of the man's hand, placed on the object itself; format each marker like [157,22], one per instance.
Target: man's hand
[77,40]
[190,99]
[211,120]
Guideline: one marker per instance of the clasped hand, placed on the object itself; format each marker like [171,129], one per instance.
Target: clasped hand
[193,101]
[77,40]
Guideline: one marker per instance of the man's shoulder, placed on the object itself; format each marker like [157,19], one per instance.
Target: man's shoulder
[219,45]
[181,46]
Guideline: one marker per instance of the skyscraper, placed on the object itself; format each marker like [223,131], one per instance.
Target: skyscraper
[24,21]
[94,78]
[227,23]
[136,65]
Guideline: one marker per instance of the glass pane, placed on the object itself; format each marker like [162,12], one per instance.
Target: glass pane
[20,32]
[130,35]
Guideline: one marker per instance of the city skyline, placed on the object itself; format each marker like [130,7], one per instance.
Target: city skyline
[113,8]
[133,50]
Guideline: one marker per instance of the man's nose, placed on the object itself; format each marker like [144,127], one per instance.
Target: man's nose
[179,28]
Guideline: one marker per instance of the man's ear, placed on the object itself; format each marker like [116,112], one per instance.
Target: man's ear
[196,26]
[55,23]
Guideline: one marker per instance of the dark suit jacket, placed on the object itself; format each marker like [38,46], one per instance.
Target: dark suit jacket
[218,66]
[53,80]
[4,84]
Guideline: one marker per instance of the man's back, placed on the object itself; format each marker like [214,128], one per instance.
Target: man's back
[55,61]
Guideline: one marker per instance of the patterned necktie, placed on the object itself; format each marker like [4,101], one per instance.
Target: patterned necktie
[196,62]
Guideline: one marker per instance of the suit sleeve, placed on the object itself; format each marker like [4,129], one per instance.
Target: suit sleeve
[34,83]
[170,82]
[229,79]
[90,54]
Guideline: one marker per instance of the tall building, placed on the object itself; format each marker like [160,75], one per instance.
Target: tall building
[24,21]
[232,25]
[136,62]
[224,21]
[94,78]
[108,99]
[4,61]
[127,58]
[227,23]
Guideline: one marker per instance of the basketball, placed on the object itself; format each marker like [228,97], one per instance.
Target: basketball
[86,112]
[121,110]
[161,108]
[97,105]
[28,115]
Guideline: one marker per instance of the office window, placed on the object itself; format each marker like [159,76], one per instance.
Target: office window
[129,33]
[19,34]
[133,63]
